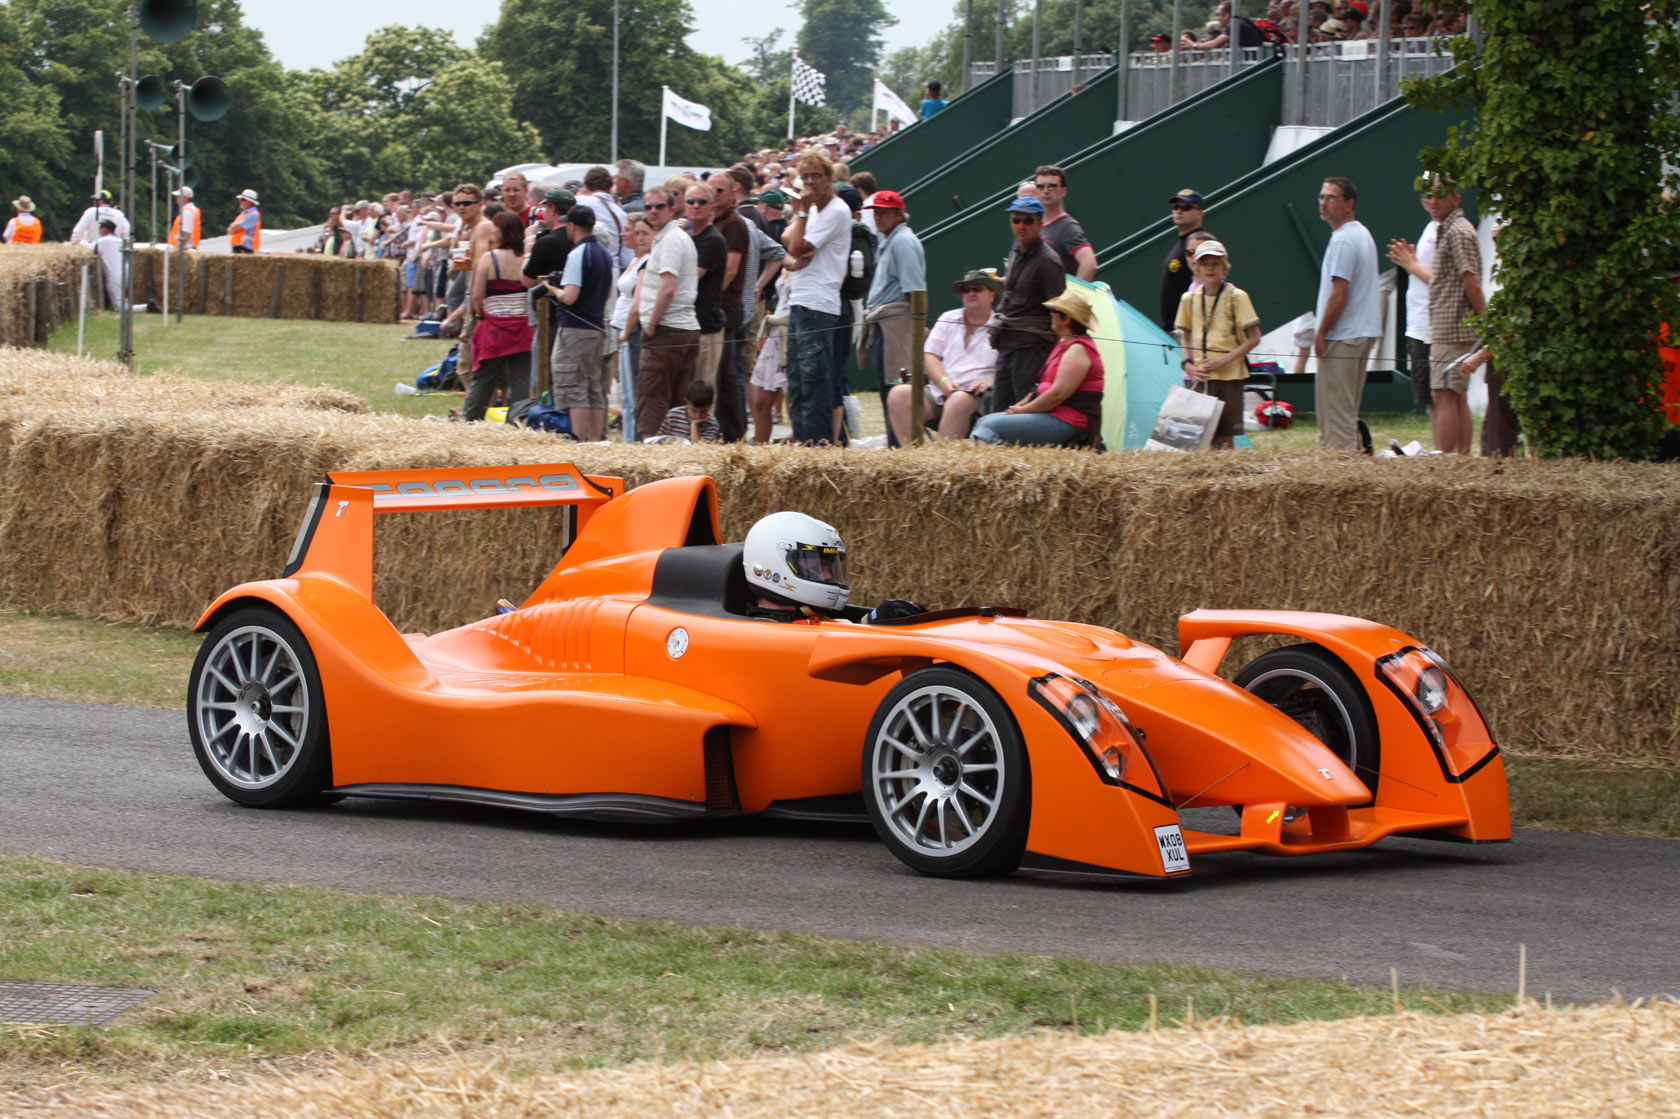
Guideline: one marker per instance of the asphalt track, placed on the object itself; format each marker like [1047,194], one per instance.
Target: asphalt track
[118,786]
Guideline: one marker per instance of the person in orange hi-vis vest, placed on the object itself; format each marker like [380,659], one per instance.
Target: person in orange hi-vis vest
[246,229]
[189,213]
[25,228]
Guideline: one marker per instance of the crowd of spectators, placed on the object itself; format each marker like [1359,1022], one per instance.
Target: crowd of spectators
[1328,21]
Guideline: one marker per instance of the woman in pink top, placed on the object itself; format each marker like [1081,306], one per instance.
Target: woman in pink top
[1067,405]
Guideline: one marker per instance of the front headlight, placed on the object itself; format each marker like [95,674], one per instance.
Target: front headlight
[1431,689]
[1103,732]
[1441,707]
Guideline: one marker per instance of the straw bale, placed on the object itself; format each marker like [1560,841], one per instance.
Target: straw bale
[59,266]
[1608,1060]
[1552,587]
[253,284]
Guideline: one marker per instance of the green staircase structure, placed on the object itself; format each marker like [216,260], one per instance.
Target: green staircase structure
[1070,123]
[967,121]
[1121,183]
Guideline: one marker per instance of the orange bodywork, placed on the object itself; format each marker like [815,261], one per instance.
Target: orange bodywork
[607,694]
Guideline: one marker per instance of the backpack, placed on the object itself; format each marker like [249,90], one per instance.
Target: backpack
[1269,30]
[442,377]
[863,241]
[539,415]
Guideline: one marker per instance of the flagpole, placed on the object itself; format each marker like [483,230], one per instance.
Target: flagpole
[615,90]
[663,119]
[790,101]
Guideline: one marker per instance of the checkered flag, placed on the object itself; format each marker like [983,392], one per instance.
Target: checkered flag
[808,83]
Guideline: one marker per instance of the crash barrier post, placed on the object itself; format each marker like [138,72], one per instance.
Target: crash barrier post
[104,512]
[918,368]
[544,308]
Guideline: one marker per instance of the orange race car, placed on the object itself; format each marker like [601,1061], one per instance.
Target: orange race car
[657,673]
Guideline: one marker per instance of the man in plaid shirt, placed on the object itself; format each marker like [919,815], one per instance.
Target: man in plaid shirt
[1455,292]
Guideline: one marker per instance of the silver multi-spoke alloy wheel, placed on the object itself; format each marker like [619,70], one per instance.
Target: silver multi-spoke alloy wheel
[255,710]
[252,707]
[945,775]
[940,776]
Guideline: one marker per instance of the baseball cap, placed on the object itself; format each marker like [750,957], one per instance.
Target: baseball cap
[773,198]
[850,196]
[885,200]
[1211,248]
[1189,198]
[560,197]
[1027,206]
[581,216]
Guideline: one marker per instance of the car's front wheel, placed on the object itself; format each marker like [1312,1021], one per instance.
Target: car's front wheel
[255,711]
[945,776]
[1312,686]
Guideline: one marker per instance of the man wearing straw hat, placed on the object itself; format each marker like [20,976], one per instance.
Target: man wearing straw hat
[246,229]
[25,228]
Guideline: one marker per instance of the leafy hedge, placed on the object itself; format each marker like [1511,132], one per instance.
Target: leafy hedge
[1573,116]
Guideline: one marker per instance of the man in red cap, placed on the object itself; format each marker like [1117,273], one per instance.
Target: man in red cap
[900,268]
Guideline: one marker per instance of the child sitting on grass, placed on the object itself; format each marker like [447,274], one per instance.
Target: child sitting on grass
[1217,326]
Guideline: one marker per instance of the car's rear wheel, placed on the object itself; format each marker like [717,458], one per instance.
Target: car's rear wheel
[255,711]
[1312,686]
[945,776]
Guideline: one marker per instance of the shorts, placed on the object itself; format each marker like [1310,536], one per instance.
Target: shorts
[1446,366]
[1231,394]
[575,369]
[411,276]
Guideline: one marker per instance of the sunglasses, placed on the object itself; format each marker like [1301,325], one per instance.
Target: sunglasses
[657,205]
[472,202]
[698,201]
[1023,219]
[973,289]
[1181,206]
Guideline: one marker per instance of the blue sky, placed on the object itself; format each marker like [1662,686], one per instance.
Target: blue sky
[298,35]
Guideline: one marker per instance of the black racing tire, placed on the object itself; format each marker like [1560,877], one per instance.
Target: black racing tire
[945,776]
[256,712]
[1311,685]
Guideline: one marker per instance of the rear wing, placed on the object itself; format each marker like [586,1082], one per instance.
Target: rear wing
[336,536]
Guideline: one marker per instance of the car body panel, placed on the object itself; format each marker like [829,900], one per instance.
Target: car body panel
[632,682]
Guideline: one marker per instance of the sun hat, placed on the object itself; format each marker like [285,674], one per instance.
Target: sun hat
[23,203]
[248,195]
[1074,304]
[977,276]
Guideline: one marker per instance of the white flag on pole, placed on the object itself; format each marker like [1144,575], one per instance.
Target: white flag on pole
[687,112]
[808,83]
[892,104]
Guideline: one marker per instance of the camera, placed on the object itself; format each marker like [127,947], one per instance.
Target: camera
[558,279]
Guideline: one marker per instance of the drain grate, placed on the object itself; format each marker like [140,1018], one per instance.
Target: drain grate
[66,1004]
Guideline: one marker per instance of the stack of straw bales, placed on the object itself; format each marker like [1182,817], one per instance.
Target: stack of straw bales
[274,285]
[1552,587]
[39,287]
[1610,1060]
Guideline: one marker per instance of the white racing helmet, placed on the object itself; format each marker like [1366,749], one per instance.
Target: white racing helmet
[798,559]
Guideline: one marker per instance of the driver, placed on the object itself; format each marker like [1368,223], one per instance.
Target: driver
[796,568]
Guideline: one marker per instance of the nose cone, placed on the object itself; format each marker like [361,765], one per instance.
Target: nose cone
[1216,744]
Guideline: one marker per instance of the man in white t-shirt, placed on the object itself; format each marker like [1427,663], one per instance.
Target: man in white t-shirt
[818,240]
[87,227]
[1349,316]
[670,327]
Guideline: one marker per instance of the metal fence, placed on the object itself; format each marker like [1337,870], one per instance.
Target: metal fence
[1341,79]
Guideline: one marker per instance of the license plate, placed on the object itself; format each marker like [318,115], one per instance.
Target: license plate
[1175,859]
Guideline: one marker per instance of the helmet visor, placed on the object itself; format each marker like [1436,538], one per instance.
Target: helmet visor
[818,563]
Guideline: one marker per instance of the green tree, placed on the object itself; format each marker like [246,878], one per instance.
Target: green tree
[1573,124]
[458,128]
[559,60]
[842,38]
[31,136]
[72,48]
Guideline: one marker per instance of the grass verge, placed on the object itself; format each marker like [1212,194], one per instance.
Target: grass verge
[368,359]
[252,973]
